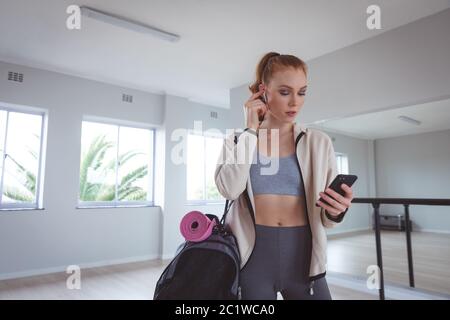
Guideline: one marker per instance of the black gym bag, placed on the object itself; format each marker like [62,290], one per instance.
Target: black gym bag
[205,270]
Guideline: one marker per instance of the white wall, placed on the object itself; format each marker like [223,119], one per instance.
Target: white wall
[60,235]
[400,67]
[416,166]
[180,113]
[361,163]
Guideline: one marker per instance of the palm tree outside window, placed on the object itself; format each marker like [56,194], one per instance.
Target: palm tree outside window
[116,165]
[21,135]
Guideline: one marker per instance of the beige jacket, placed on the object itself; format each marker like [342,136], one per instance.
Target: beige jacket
[317,163]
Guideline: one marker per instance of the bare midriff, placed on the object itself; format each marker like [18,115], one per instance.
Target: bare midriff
[280,210]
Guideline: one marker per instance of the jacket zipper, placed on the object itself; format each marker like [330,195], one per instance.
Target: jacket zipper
[249,204]
[311,282]
[311,288]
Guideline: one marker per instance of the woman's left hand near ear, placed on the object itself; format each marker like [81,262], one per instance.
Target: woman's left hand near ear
[338,203]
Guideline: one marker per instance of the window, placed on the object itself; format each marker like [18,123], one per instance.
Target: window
[20,148]
[116,165]
[342,163]
[202,154]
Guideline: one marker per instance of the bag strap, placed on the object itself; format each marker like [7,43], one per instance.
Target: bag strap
[228,203]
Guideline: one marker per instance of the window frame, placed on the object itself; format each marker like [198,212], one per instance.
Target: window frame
[342,155]
[203,202]
[115,203]
[38,203]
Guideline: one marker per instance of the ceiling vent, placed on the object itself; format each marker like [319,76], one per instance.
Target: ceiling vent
[127,98]
[213,114]
[15,76]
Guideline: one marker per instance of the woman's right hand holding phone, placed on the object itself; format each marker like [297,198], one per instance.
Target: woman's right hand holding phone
[255,109]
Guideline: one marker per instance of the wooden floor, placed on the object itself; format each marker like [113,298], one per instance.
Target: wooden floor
[127,281]
[346,255]
[431,258]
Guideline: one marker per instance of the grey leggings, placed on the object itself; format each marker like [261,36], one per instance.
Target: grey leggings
[280,262]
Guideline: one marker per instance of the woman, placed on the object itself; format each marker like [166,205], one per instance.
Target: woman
[276,216]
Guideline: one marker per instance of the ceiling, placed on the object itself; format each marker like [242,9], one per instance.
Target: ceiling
[221,41]
[434,116]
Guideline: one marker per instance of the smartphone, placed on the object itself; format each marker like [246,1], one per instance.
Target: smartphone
[348,179]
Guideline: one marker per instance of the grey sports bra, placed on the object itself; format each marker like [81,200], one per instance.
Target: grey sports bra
[266,179]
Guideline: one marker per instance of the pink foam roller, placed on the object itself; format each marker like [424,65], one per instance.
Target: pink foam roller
[195,226]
